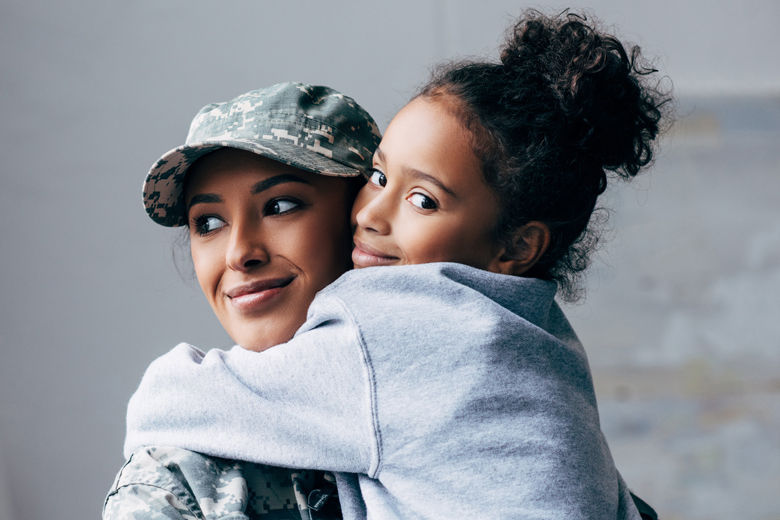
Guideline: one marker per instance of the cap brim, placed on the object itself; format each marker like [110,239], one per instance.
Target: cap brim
[164,185]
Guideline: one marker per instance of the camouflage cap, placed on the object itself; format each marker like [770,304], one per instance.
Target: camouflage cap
[313,128]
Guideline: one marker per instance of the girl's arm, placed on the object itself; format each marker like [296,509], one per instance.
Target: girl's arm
[259,406]
[479,388]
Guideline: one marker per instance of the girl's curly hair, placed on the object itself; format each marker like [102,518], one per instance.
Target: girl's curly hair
[566,104]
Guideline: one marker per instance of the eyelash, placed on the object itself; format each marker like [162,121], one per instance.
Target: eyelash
[426,197]
[299,204]
[374,171]
[201,220]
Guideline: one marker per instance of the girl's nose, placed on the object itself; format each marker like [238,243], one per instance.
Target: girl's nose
[375,212]
[246,248]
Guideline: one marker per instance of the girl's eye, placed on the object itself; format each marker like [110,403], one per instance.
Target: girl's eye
[206,224]
[378,178]
[280,206]
[421,201]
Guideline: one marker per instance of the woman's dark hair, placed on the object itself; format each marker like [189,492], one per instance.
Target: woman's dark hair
[566,104]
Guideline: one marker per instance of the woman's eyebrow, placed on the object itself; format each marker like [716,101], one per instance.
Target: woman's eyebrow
[204,198]
[212,198]
[273,181]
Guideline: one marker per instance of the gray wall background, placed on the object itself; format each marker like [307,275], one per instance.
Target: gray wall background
[681,321]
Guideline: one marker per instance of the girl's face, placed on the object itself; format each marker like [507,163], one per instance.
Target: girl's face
[265,237]
[427,200]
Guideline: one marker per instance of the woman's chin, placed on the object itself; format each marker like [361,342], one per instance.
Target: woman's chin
[258,339]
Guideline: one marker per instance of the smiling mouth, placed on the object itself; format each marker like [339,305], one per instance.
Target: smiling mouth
[253,295]
[364,255]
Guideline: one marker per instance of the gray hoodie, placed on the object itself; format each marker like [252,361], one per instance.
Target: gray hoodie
[435,391]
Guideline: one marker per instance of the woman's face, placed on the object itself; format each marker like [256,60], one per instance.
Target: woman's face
[427,200]
[265,237]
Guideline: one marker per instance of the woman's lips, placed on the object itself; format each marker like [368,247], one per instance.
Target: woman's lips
[365,256]
[256,294]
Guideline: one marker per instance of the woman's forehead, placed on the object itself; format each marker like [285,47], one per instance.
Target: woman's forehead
[227,167]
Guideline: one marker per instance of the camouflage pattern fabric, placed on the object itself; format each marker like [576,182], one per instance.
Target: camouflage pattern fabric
[168,483]
[310,127]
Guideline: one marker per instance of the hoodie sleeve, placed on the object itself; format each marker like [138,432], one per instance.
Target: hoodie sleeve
[304,404]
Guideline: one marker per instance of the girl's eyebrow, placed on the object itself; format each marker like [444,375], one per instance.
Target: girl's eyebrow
[430,178]
[420,175]
[379,153]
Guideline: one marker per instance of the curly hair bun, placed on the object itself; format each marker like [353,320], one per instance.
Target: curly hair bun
[606,116]
[566,104]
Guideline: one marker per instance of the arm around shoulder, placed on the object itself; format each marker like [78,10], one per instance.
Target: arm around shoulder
[306,403]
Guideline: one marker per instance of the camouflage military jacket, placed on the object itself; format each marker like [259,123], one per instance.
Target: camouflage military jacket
[162,483]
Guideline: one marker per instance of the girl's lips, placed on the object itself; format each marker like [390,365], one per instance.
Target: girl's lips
[251,296]
[365,256]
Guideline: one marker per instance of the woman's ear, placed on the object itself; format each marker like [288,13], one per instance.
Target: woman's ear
[528,245]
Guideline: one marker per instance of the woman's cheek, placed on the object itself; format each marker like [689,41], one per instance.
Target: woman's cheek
[208,268]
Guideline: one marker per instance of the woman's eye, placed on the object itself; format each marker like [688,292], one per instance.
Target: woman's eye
[280,206]
[421,201]
[378,178]
[207,224]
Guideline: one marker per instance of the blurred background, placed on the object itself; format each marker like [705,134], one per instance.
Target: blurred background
[682,317]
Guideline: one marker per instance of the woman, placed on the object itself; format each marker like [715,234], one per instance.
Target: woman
[282,166]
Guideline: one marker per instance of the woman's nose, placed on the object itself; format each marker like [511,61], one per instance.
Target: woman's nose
[247,247]
[374,212]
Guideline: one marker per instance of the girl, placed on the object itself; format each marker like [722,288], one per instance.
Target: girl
[448,383]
